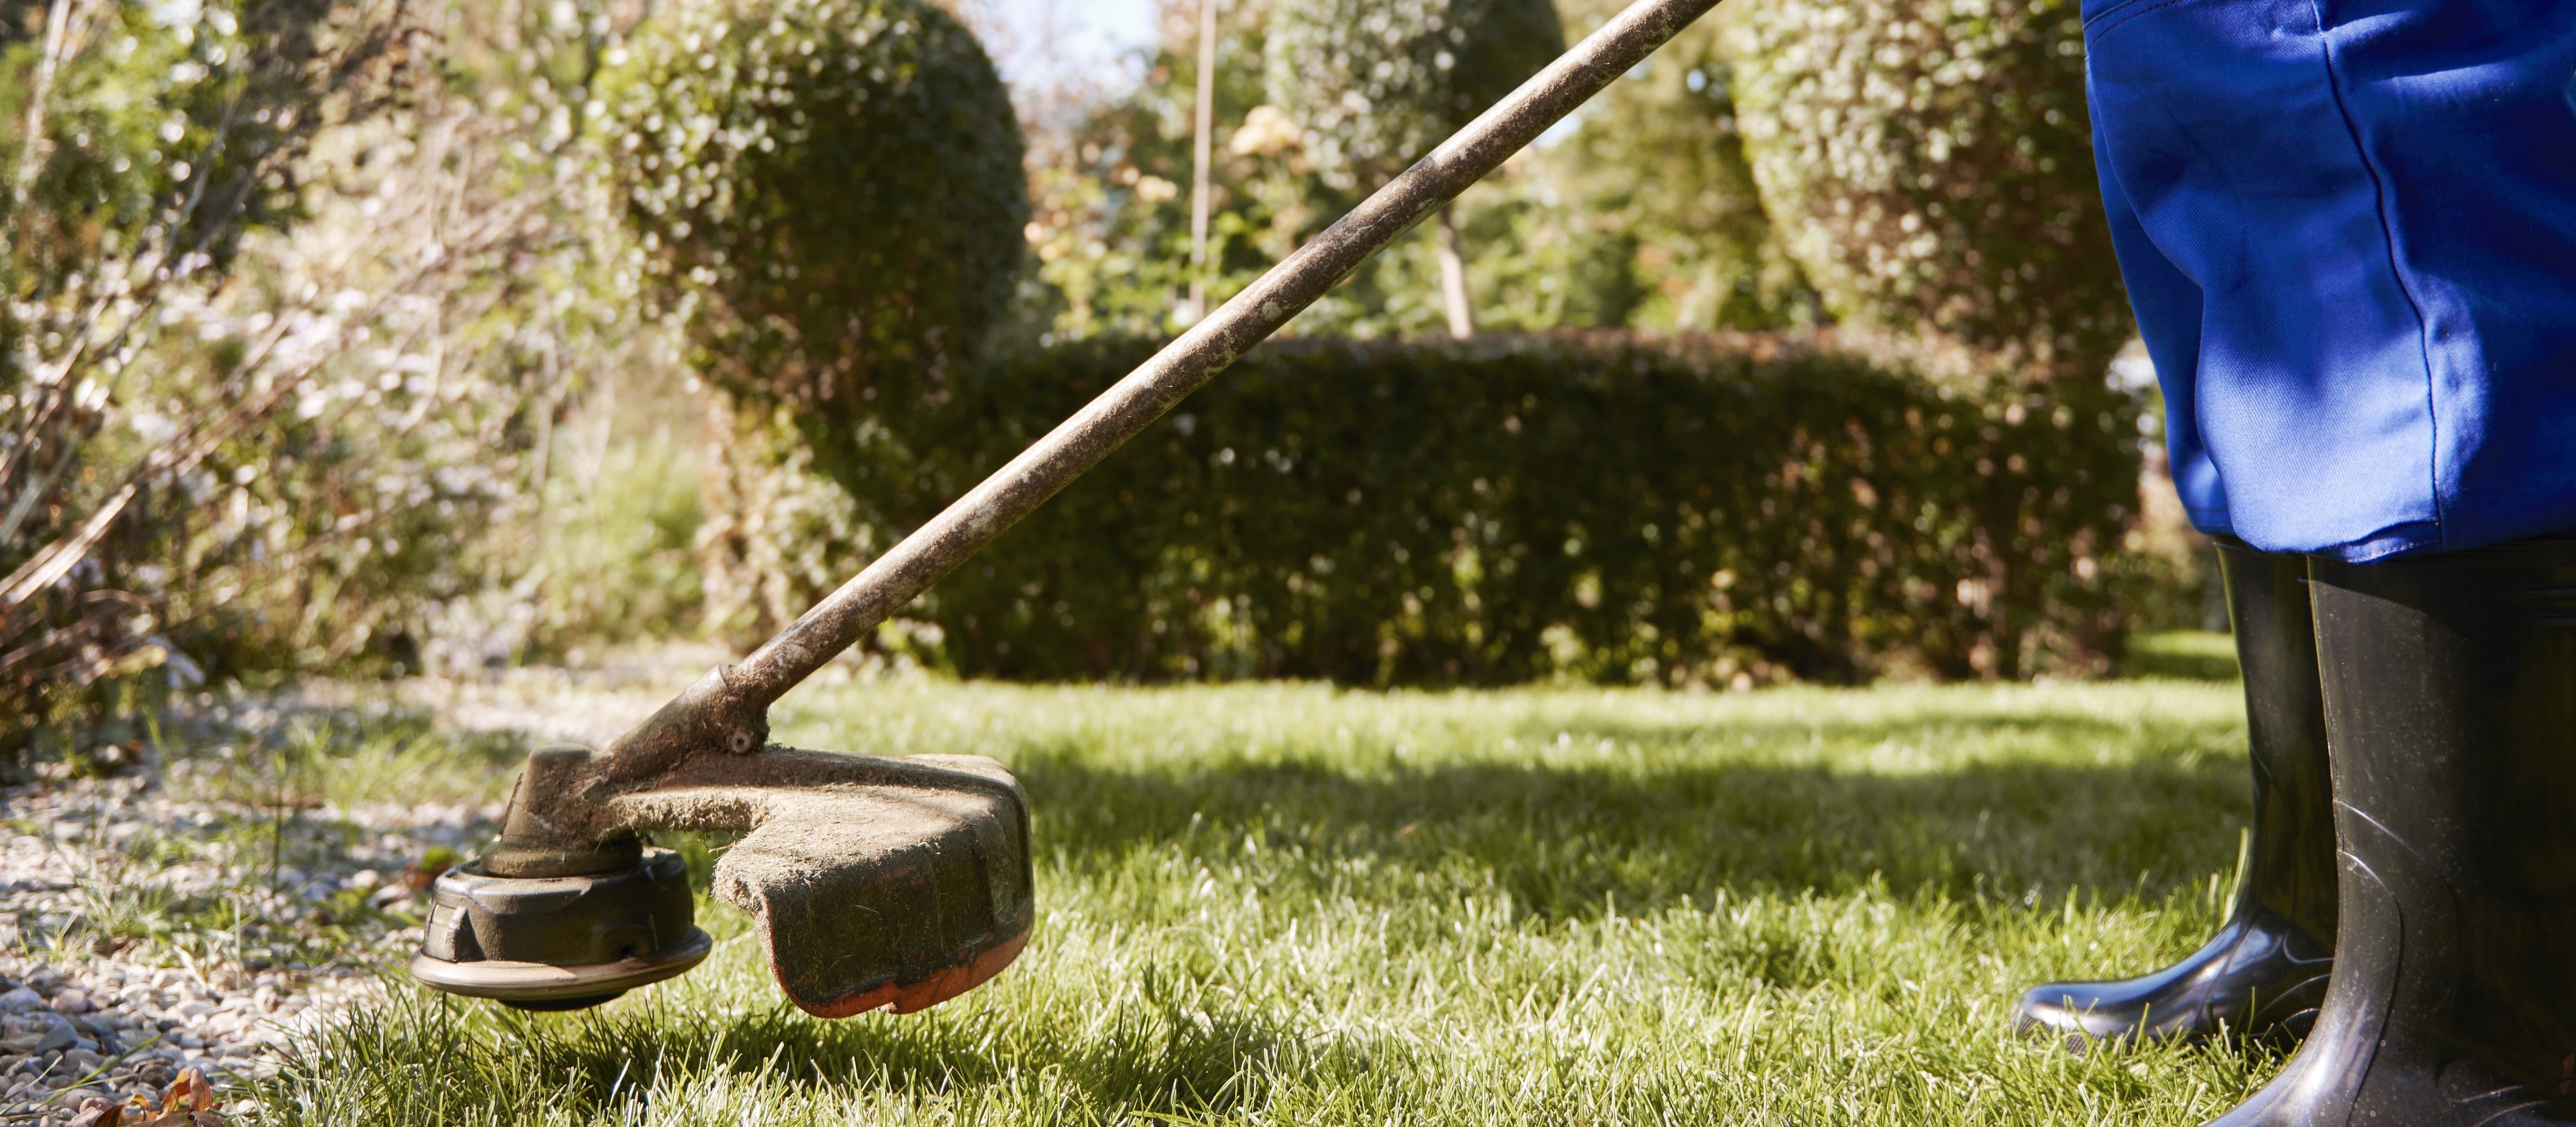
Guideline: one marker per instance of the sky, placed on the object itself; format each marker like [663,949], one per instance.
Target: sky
[1047,47]
[1053,44]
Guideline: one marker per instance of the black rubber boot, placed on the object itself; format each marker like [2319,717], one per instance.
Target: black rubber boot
[2264,974]
[2450,687]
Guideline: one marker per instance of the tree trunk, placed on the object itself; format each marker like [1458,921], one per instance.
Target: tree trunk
[1453,277]
[1202,136]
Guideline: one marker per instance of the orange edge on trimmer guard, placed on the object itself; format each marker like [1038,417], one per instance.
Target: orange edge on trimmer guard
[913,997]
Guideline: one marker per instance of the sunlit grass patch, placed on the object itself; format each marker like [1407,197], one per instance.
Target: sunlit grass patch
[343,758]
[1283,903]
[2199,655]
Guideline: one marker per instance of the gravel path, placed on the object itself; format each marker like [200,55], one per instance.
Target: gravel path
[169,916]
[142,935]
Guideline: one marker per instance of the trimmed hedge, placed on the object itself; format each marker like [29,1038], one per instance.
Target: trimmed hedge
[1721,511]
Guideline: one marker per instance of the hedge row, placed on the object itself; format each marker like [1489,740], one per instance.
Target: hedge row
[1719,511]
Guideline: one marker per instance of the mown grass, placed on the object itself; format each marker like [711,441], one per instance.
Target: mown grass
[1287,904]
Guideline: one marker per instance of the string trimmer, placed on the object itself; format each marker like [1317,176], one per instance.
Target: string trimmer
[881,881]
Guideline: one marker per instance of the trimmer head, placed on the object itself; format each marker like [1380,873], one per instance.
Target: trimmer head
[560,943]
[873,882]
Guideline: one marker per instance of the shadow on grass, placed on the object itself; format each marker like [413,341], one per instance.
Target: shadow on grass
[430,1059]
[1564,841]
[1569,841]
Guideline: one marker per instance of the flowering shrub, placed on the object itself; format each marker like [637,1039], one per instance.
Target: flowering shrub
[1932,165]
[830,191]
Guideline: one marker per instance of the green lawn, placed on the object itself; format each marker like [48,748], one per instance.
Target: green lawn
[1288,904]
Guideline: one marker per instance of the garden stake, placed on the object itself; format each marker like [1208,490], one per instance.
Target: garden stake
[881,881]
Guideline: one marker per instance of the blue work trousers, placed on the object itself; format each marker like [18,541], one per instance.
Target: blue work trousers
[2349,233]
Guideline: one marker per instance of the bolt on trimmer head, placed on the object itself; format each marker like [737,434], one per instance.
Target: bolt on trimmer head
[881,881]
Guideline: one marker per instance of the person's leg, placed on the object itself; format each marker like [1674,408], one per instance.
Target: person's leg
[2450,692]
[2264,968]
[2377,200]
[2265,971]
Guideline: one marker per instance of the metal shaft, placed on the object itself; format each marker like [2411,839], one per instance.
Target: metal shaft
[1186,364]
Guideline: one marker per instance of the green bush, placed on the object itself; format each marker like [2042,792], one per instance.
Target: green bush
[287,310]
[1657,162]
[1932,166]
[1375,84]
[1718,510]
[777,534]
[834,188]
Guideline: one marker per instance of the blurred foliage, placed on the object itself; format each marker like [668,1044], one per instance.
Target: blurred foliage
[1112,217]
[1893,170]
[1372,85]
[779,534]
[1932,167]
[615,557]
[831,191]
[1111,214]
[296,294]
[155,87]
[353,337]
[1453,513]
[830,199]
[1643,211]
[1656,165]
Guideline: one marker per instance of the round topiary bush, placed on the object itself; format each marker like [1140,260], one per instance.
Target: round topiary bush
[830,189]
[1376,83]
[1931,164]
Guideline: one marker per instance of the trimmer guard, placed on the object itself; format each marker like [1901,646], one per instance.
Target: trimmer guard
[901,891]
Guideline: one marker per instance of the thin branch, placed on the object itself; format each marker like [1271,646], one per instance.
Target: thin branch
[42,569]
[31,157]
[26,502]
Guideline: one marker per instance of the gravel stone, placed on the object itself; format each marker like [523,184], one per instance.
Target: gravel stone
[34,1038]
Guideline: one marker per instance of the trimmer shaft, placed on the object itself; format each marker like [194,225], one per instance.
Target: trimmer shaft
[878,881]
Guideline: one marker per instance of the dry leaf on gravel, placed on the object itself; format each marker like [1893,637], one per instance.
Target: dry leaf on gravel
[189,1103]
